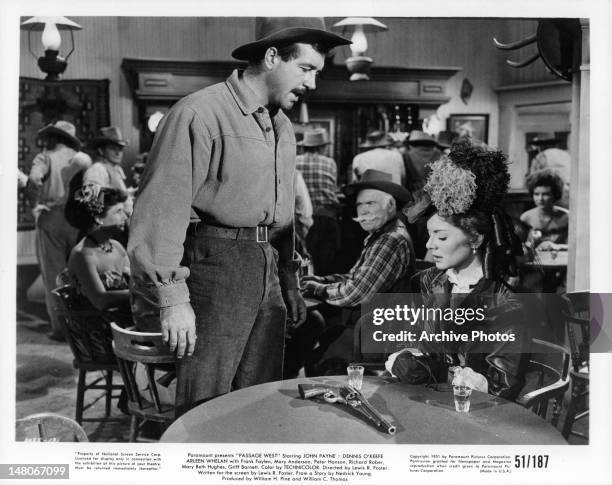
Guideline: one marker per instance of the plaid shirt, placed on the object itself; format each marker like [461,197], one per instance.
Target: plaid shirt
[383,261]
[320,174]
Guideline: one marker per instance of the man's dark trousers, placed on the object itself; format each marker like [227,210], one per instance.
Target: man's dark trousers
[240,318]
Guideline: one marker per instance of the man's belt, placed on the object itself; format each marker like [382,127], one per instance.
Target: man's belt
[258,234]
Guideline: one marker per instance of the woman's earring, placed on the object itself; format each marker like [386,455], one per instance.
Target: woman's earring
[474,250]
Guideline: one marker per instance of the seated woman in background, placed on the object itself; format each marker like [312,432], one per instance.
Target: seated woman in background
[473,246]
[98,266]
[547,222]
[99,269]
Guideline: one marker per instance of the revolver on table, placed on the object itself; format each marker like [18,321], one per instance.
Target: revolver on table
[349,396]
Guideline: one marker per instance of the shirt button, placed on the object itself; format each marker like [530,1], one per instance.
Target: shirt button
[268,128]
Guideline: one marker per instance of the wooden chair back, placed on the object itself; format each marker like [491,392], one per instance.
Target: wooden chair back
[549,364]
[147,349]
[578,328]
[87,332]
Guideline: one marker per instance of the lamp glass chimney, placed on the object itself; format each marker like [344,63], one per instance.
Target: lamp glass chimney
[51,39]
[359,42]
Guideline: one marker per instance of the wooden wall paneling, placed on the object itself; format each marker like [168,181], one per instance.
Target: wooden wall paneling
[105,41]
[184,38]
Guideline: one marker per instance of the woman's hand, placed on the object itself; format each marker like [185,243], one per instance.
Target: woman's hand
[466,376]
[392,358]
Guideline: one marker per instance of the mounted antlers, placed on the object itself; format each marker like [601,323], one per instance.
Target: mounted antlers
[559,46]
[517,45]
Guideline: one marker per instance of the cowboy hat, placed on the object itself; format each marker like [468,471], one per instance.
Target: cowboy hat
[376,139]
[375,179]
[314,138]
[109,134]
[275,30]
[63,129]
[420,138]
[446,139]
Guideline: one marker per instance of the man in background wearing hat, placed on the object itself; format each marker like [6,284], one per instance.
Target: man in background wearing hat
[378,156]
[321,176]
[47,190]
[219,175]
[106,169]
[421,149]
[386,256]
[385,265]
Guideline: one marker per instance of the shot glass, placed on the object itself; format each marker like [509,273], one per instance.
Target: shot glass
[355,375]
[462,398]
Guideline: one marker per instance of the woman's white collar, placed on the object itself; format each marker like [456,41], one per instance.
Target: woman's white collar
[462,282]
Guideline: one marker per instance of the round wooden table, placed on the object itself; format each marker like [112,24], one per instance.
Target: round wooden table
[274,413]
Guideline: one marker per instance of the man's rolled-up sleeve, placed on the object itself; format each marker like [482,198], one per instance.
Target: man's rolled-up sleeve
[180,154]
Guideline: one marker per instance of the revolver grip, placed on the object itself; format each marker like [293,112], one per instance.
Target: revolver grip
[311,390]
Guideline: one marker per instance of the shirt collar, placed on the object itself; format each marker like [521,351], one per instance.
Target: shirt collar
[245,97]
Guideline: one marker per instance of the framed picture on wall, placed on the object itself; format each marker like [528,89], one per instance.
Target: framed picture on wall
[473,125]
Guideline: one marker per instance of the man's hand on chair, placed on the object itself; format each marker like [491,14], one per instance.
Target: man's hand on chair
[178,328]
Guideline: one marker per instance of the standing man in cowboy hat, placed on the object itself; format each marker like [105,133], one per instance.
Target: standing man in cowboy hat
[377,156]
[421,149]
[219,176]
[321,177]
[47,189]
[385,265]
[106,169]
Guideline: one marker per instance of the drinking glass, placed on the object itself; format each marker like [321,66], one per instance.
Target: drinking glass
[462,398]
[355,375]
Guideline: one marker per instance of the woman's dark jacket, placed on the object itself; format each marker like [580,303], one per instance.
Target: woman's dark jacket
[502,363]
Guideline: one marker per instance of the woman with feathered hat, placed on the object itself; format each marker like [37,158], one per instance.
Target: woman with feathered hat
[473,245]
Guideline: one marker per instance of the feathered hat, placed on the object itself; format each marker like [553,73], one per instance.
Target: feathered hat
[474,178]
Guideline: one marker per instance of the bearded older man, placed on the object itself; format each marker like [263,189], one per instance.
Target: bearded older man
[385,265]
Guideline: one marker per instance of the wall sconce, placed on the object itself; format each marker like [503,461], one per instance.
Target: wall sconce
[51,63]
[359,64]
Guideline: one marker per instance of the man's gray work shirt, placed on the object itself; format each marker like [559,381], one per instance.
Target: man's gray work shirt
[218,156]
